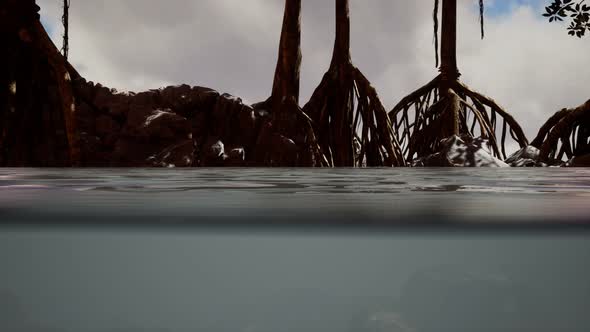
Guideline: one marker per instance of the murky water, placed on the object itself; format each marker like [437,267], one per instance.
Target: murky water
[256,277]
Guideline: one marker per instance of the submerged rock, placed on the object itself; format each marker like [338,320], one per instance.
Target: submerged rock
[462,151]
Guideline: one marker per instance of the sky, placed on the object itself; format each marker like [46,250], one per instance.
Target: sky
[529,66]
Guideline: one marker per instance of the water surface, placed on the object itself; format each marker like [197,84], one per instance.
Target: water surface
[398,195]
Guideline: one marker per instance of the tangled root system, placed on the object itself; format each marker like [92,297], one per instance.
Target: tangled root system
[566,134]
[442,109]
[353,126]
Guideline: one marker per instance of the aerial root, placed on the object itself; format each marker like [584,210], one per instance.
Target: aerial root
[565,134]
[63,76]
[433,113]
[352,125]
[292,124]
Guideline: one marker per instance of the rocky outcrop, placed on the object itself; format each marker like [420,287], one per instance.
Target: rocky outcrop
[177,126]
[525,157]
[462,151]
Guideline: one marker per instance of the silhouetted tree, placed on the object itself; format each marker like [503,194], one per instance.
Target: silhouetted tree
[446,107]
[37,121]
[566,134]
[351,123]
[577,11]
[66,23]
[288,139]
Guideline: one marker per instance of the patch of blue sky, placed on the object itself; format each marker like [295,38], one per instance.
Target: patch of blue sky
[48,26]
[505,7]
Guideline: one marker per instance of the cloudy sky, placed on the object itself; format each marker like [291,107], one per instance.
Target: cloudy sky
[529,66]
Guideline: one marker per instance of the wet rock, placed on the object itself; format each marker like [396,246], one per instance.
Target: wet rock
[188,101]
[283,150]
[176,155]
[111,102]
[108,129]
[157,124]
[85,117]
[462,152]
[179,98]
[213,154]
[105,126]
[84,90]
[140,106]
[525,157]
[91,151]
[89,144]
[225,114]
[129,152]
[236,157]
[200,127]
[248,126]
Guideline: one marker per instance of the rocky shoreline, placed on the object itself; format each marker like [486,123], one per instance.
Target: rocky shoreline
[50,116]
[178,126]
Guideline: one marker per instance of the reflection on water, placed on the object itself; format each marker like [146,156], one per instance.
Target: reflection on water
[402,195]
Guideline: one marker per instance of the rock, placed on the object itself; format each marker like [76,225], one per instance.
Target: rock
[248,125]
[108,129]
[176,155]
[115,104]
[102,98]
[200,127]
[157,124]
[166,125]
[140,106]
[91,151]
[105,126]
[525,157]
[89,144]
[213,154]
[225,113]
[84,90]
[85,117]
[283,150]
[462,152]
[236,157]
[130,152]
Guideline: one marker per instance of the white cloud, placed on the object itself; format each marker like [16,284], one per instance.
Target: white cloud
[526,64]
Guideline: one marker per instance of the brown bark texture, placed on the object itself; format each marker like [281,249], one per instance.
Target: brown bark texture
[566,134]
[288,139]
[351,123]
[446,107]
[37,125]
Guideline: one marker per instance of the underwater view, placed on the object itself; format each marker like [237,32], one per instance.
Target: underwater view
[294,250]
